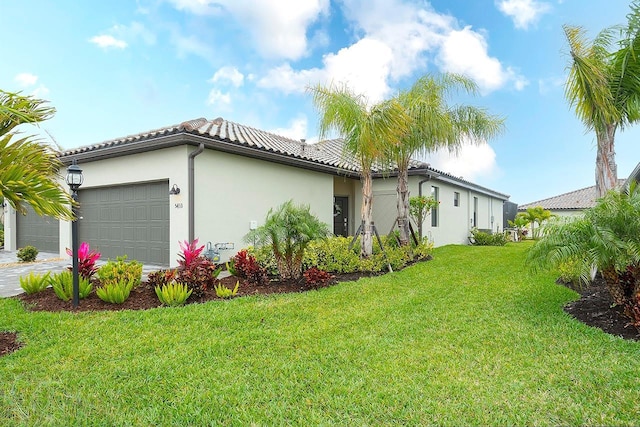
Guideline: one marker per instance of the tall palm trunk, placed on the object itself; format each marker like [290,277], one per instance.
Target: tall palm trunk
[366,213]
[403,203]
[606,168]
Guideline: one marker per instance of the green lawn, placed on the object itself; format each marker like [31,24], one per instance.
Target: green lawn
[466,339]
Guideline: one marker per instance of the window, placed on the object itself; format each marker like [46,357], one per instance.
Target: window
[456,198]
[434,211]
[475,212]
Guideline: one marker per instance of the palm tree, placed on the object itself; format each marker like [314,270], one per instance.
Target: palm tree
[367,131]
[288,230]
[28,168]
[606,239]
[604,88]
[433,124]
[535,215]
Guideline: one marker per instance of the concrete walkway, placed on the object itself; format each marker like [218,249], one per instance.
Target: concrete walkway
[11,269]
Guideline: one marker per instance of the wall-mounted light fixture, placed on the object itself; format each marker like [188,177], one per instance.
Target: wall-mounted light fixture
[174,190]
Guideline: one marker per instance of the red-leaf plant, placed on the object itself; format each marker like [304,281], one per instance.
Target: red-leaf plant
[86,260]
[247,267]
[194,270]
[314,277]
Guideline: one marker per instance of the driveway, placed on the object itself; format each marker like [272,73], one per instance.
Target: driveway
[11,269]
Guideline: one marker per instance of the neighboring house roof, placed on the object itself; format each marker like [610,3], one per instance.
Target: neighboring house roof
[575,200]
[225,135]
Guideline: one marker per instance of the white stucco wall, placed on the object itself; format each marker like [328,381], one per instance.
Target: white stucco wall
[232,191]
[454,222]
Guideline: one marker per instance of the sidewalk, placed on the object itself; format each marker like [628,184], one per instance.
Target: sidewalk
[11,269]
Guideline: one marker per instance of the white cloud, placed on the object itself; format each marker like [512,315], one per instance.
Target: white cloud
[106,41]
[549,84]
[26,79]
[135,30]
[279,29]
[466,52]
[297,129]
[523,12]
[228,74]
[219,100]
[472,161]
[363,66]
[191,45]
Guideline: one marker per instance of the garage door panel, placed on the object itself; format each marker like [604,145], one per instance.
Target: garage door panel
[128,221]
[43,232]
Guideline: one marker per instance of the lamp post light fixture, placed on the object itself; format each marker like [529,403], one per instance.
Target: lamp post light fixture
[74,181]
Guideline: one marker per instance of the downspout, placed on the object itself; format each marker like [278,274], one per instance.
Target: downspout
[192,191]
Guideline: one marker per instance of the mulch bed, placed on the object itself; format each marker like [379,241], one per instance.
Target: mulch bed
[594,308]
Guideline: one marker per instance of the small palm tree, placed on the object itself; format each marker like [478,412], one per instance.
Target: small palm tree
[604,88]
[432,124]
[535,215]
[28,168]
[368,130]
[288,230]
[606,239]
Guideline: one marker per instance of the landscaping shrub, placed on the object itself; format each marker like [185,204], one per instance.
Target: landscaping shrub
[288,230]
[570,273]
[482,238]
[247,267]
[62,284]
[34,283]
[223,292]
[86,260]
[27,254]
[119,271]
[161,277]
[333,255]
[606,238]
[315,277]
[194,270]
[173,294]
[116,292]
[423,250]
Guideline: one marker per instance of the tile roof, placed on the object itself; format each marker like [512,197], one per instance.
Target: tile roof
[220,131]
[328,152]
[583,198]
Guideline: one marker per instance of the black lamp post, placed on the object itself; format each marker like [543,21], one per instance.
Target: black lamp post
[74,181]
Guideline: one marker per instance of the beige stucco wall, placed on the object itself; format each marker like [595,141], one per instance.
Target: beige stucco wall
[454,222]
[232,191]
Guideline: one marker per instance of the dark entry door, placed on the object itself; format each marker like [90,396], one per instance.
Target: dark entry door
[341,216]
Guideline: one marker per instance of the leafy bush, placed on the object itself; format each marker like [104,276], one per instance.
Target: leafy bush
[570,273]
[288,230]
[247,267]
[86,260]
[27,254]
[194,270]
[62,284]
[116,292]
[161,277]
[34,283]
[333,255]
[482,238]
[265,258]
[423,250]
[316,278]
[606,239]
[224,292]
[120,271]
[173,294]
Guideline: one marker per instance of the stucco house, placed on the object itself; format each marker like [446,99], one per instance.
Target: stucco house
[216,179]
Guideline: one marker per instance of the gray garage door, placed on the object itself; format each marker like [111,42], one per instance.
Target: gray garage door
[130,220]
[43,232]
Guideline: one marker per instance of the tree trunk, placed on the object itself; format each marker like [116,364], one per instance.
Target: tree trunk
[403,204]
[366,213]
[606,169]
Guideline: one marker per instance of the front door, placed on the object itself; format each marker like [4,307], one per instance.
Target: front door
[341,216]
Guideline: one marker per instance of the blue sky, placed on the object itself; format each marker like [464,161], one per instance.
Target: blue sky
[122,67]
